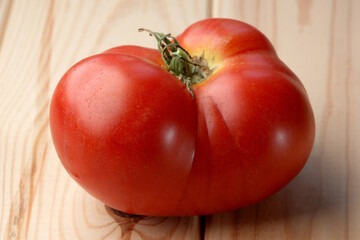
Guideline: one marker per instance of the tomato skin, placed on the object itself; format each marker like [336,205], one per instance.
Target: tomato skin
[255,123]
[131,134]
[105,120]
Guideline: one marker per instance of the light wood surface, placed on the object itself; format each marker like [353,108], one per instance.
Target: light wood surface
[39,40]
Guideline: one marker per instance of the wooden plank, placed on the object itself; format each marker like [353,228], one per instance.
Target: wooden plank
[319,41]
[39,41]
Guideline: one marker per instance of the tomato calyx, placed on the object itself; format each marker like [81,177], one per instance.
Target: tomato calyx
[188,69]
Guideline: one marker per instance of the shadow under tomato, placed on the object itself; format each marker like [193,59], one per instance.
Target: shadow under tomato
[149,227]
[126,221]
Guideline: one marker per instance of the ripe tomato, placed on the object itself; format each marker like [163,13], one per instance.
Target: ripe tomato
[140,140]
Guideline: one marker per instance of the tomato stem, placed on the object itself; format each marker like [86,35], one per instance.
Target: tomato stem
[190,70]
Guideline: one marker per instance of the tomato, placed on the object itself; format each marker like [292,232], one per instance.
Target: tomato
[144,142]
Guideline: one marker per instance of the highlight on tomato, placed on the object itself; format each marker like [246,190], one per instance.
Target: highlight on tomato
[209,122]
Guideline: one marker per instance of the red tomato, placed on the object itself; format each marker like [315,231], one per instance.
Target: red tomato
[132,135]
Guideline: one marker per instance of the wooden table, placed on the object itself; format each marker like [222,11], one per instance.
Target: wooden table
[39,40]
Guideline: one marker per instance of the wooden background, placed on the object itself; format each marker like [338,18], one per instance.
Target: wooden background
[39,40]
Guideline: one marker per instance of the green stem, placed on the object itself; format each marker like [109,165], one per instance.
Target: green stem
[178,61]
[176,58]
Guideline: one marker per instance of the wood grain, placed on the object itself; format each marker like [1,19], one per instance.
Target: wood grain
[40,40]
